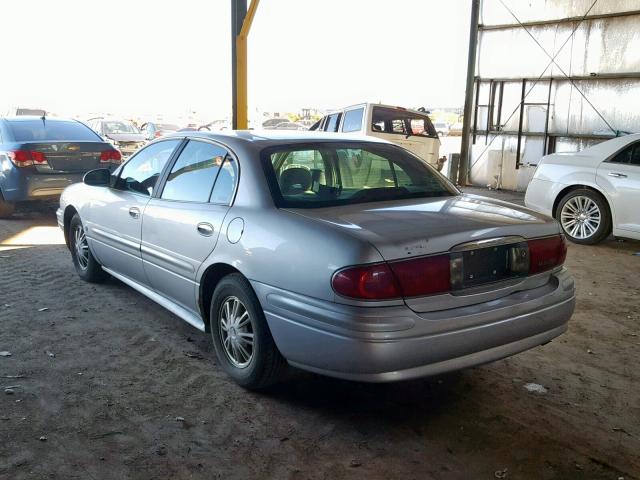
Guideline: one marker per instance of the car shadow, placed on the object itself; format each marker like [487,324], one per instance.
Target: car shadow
[404,399]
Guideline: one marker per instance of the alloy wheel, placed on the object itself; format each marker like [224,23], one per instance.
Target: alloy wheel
[580,217]
[236,332]
[81,246]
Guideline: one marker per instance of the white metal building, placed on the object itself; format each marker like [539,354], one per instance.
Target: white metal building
[551,76]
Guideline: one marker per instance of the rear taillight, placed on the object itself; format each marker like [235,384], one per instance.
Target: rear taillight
[157,134]
[439,274]
[110,156]
[26,158]
[384,281]
[546,253]
[423,276]
[368,282]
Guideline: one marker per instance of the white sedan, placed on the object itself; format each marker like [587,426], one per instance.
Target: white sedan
[592,193]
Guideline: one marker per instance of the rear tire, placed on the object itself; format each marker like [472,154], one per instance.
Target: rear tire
[87,267]
[241,337]
[6,208]
[584,216]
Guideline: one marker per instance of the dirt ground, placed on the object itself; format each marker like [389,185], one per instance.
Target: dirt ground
[109,385]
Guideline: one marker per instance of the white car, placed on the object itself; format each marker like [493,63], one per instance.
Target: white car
[410,129]
[442,128]
[592,193]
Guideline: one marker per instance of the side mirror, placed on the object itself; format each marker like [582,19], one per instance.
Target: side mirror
[100,177]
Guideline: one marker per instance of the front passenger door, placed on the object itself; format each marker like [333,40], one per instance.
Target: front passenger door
[181,227]
[114,226]
[620,177]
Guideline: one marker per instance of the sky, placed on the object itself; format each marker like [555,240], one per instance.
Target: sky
[173,58]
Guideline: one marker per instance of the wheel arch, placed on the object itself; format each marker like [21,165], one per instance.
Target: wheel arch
[571,188]
[208,283]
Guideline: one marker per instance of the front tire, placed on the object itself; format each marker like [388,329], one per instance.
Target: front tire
[241,337]
[584,217]
[87,267]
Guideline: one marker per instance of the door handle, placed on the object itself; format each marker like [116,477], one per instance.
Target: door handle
[617,175]
[205,229]
[134,212]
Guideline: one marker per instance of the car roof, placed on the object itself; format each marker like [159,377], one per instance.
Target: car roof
[25,118]
[110,119]
[259,139]
[606,148]
[370,104]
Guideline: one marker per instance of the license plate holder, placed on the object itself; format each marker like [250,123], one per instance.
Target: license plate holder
[472,268]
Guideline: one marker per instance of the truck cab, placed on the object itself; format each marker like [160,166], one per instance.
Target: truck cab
[407,128]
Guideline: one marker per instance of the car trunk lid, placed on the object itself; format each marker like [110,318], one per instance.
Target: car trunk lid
[482,237]
[410,228]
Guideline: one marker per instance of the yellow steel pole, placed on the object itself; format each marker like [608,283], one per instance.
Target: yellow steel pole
[241,62]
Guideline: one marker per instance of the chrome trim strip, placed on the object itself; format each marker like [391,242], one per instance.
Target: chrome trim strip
[167,271]
[157,254]
[487,242]
[115,238]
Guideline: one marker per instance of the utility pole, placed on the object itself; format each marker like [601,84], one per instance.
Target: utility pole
[465,154]
[241,20]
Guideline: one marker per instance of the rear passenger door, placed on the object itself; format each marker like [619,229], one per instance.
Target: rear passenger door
[181,224]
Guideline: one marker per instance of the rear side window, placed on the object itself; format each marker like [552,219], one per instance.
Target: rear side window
[140,173]
[630,155]
[226,182]
[353,120]
[51,130]
[194,173]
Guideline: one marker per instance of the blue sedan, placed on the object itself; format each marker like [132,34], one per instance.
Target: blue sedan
[40,157]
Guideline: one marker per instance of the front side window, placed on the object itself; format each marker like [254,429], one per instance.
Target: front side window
[331,174]
[404,122]
[141,172]
[192,176]
[630,155]
[353,120]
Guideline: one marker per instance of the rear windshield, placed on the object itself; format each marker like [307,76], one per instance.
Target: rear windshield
[401,122]
[117,126]
[50,130]
[331,174]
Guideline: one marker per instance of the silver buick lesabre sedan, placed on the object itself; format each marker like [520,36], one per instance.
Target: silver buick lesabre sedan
[346,256]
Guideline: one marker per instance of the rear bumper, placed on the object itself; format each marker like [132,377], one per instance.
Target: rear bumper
[34,186]
[541,194]
[383,344]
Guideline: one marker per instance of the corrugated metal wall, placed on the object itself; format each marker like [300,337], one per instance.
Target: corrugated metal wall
[590,93]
